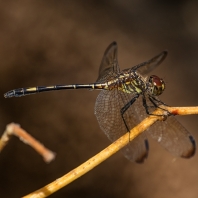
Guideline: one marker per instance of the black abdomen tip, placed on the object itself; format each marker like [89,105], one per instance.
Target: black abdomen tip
[9,94]
[191,150]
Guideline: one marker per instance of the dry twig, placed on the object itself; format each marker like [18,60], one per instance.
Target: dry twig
[110,150]
[15,129]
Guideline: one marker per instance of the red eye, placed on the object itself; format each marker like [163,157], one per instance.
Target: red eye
[157,85]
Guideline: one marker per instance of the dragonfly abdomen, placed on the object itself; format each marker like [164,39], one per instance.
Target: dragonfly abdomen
[32,90]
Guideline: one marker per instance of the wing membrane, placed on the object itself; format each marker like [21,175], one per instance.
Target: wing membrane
[107,110]
[151,64]
[173,137]
[109,66]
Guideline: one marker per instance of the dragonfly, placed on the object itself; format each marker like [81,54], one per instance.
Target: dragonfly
[126,97]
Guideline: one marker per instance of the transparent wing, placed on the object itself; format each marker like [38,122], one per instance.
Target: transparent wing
[107,111]
[109,104]
[173,137]
[170,134]
[109,66]
[148,66]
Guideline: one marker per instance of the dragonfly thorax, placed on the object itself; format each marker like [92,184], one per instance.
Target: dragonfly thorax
[156,85]
[130,82]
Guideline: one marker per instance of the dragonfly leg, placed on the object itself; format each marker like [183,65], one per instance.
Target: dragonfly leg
[146,106]
[155,99]
[124,109]
[152,99]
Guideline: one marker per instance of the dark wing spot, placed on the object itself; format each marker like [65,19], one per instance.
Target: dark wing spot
[192,150]
[144,155]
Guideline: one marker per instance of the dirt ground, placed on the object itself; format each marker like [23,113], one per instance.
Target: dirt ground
[62,42]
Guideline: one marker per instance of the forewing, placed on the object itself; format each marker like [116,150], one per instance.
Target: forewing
[109,66]
[107,110]
[148,66]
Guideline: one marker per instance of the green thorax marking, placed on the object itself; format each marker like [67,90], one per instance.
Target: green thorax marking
[128,83]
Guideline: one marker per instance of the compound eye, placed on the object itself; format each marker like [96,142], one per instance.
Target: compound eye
[157,85]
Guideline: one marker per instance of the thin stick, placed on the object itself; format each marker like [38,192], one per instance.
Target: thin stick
[15,129]
[96,160]
[182,110]
[110,150]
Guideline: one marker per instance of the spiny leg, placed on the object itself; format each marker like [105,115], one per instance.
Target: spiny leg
[153,101]
[124,109]
[146,106]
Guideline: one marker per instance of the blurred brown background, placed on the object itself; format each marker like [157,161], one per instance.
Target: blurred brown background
[62,42]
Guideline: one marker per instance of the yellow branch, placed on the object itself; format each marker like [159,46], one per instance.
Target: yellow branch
[110,150]
[15,129]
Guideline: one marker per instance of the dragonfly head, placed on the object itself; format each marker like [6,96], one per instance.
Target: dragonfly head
[157,85]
